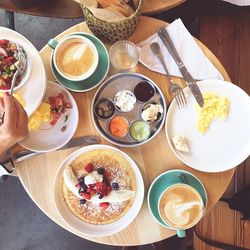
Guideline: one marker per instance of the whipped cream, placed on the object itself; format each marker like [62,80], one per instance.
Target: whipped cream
[93,178]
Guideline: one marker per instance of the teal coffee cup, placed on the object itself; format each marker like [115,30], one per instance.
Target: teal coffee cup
[177,200]
[75,57]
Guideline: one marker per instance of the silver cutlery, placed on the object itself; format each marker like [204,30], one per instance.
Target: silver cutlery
[175,89]
[191,83]
[20,65]
[7,164]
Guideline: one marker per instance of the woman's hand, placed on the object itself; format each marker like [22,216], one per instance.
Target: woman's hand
[14,128]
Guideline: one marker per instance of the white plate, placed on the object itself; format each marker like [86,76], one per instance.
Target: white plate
[34,89]
[226,143]
[49,138]
[91,229]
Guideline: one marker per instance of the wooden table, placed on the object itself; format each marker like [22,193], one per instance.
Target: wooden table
[155,157]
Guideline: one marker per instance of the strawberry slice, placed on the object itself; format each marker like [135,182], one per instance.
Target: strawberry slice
[86,196]
[89,167]
[104,205]
[4,42]
[102,188]
[91,190]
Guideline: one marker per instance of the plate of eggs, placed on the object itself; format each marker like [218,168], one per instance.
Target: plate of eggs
[213,138]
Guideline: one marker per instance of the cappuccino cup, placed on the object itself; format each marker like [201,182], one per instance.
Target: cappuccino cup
[180,207]
[75,57]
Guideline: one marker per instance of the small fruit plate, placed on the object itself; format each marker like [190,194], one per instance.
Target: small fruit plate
[128,109]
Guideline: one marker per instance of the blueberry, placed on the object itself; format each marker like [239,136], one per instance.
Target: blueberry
[82,184]
[81,179]
[82,189]
[115,186]
[100,170]
[100,196]
[83,201]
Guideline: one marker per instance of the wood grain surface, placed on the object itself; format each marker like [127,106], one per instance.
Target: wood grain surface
[230,43]
[155,157]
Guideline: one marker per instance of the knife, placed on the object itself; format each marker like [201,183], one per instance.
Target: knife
[7,163]
[191,83]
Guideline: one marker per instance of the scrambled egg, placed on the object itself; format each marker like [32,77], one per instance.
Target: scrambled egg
[215,107]
[41,115]
[18,97]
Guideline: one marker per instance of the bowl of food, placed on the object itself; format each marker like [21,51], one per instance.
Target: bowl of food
[134,110]
[112,20]
[13,58]
[98,190]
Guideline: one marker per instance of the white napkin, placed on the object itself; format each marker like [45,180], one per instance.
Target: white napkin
[191,54]
[238,2]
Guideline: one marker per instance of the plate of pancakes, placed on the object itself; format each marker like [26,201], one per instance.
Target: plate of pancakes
[98,190]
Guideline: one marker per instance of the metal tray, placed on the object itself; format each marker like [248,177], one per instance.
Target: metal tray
[126,81]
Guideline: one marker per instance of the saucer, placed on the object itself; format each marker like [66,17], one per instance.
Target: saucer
[166,179]
[97,77]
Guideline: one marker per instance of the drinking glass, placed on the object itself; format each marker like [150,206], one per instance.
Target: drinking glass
[124,56]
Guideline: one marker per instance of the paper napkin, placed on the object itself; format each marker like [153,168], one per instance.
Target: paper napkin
[191,54]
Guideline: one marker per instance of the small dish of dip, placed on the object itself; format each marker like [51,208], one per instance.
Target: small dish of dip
[140,130]
[152,112]
[144,91]
[118,126]
[124,100]
[104,109]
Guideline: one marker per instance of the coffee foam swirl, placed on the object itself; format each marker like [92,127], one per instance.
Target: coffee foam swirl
[181,206]
[75,59]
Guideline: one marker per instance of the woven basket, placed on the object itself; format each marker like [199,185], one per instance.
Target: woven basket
[112,31]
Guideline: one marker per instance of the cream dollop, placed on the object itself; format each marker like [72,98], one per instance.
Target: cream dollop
[93,178]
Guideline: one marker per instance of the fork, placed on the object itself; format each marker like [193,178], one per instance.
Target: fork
[175,89]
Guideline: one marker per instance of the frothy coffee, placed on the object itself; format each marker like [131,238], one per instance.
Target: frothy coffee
[75,59]
[181,206]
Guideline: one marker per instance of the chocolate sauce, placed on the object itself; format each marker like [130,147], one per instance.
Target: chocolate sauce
[144,91]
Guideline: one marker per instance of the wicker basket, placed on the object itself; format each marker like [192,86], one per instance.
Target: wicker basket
[112,31]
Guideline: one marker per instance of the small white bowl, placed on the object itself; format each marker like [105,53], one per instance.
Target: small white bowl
[28,67]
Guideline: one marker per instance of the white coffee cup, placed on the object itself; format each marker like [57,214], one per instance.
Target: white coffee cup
[81,44]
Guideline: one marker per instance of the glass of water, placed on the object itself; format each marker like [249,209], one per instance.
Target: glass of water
[124,56]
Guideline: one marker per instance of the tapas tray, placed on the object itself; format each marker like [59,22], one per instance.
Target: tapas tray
[128,109]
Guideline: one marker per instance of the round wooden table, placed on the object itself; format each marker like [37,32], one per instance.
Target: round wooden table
[155,157]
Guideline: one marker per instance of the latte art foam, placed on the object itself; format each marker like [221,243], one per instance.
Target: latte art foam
[75,59]
[181,206]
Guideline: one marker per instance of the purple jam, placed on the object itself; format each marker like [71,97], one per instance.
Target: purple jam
[144,91]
